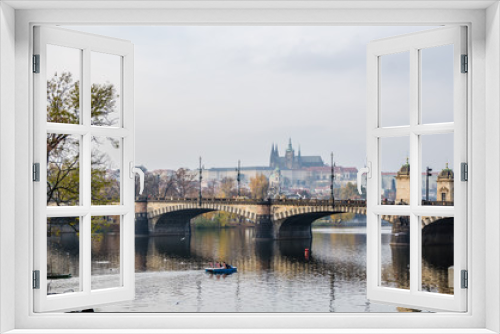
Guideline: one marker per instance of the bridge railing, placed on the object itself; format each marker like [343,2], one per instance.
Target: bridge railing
[438,203]
[287,202]
[431,203]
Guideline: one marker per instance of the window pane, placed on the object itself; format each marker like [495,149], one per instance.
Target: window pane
[395,171]
[106,166]
[437,254]
[395,89]
[63,169]
[105,252]
[437,169]
[437,84]
[395,252]
[63,255]
[106,89]
[63,84]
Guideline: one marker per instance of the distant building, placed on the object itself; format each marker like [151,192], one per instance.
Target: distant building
[292,161]
[403,184]
[445,185]
[290,173]
[441,186]
[343,175]
[275,181]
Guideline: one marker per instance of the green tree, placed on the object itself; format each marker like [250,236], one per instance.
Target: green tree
[63,150]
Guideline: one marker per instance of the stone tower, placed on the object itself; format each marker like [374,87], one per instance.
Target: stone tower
[445,185]
[299,159]
[289,155]
[403,184]
[272,162]
[274,157]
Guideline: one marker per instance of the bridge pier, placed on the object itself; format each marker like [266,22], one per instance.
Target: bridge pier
[141,217]
[264,227]
[401,231]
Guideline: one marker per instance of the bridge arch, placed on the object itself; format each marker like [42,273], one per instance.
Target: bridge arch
[439,232]
[175,220]
[295,222]
[435,230]
[298,225]
[292,211]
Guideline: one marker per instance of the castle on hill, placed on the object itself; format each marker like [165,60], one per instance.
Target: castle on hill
[292,161]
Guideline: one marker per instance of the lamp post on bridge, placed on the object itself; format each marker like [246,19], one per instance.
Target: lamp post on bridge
[332,178]
[238,178]
[158,184]
[201,177]
[427,174]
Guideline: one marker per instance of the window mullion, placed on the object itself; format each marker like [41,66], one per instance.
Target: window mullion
[85,260]
[86,176]
[414,170]
[86,140]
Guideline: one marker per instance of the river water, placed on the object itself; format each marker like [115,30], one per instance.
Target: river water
[273,276]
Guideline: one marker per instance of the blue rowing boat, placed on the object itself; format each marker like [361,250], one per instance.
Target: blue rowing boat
[221,270]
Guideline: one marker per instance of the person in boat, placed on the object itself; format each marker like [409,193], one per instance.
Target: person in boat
[220,265]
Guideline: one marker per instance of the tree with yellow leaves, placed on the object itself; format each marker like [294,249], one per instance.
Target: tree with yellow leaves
[259,186]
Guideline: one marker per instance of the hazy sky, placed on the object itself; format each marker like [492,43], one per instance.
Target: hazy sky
[228,93]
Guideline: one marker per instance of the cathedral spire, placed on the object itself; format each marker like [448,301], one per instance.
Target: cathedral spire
[271,157]
[289,145]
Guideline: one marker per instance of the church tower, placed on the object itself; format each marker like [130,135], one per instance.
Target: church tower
[299,160]
[274,157]
[272,161]
[289,155]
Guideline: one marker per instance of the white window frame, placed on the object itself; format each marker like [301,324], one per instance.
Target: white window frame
[87,44]
[413,44]
[483,20]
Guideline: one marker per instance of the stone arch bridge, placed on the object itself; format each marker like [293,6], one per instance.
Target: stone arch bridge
[274,219]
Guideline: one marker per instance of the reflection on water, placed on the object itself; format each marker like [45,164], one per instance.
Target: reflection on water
[273,276]
[62,259]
